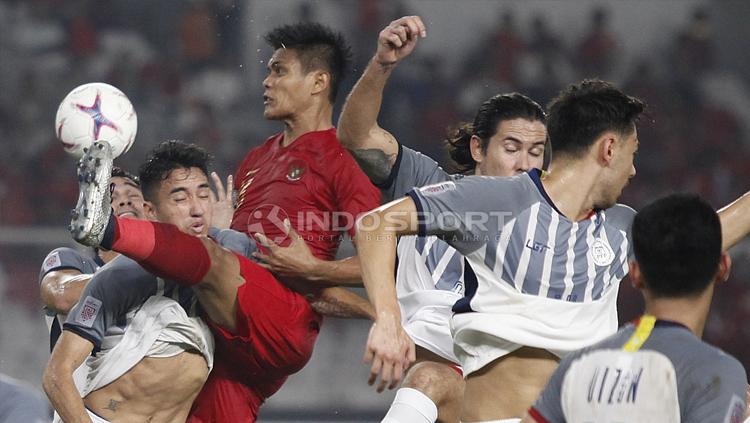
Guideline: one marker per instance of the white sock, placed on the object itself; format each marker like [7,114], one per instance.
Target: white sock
[411,406]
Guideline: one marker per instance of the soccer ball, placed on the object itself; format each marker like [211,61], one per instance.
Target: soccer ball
[94,112]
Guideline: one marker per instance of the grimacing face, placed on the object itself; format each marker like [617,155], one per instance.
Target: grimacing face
[126,198]
[184,200]
[517,146]
[287,88]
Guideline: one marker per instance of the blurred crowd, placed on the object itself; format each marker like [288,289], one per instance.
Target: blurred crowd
[184,65]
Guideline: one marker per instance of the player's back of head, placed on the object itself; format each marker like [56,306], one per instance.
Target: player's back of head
[677,244]
[318,48]
[584,111]
[166,157]
[496,109]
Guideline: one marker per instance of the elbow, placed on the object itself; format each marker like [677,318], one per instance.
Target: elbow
[58,303]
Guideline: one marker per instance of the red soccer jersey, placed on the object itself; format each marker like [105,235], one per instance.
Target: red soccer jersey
[314,182]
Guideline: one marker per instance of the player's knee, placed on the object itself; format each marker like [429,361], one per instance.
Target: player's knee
[438,381]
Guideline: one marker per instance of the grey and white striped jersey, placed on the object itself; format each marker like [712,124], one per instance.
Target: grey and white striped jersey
[553,280]
[429,275]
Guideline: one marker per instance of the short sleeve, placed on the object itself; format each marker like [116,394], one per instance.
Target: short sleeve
[548,407]
[63,258]
[469,212]
[234,241]
[353,191]
[412,169]
[116,288]
[715,392]
[621,217]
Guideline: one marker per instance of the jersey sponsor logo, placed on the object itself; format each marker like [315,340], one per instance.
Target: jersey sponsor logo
[53,260]
[536,246]
[439,187]
[601,253]
[736,412]
[87,315]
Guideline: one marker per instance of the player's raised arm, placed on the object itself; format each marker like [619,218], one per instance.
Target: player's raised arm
[389,348]
[375,148]
[735,221]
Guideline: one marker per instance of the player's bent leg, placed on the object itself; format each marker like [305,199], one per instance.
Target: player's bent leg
[432,388]
[442,383]
[508,386]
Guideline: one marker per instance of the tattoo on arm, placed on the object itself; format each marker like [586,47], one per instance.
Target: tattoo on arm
[375,163]
[112,405]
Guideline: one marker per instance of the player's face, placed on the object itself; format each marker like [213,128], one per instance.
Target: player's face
[184,200]
[287,87]
[516,147]
[622,168]
[127,199]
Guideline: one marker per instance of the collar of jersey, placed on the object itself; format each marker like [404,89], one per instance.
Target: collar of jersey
[662,323]
[536,177]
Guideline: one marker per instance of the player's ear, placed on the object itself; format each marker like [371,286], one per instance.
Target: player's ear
[475,147]
[321,81]
[607,142]
[636,277]
[149,210]
[725,268]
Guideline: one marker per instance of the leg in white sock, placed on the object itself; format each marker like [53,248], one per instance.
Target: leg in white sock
[411,406]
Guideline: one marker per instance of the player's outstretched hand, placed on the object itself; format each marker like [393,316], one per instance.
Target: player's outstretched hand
[390,350]
[293,261]
[223,203]
[398,39]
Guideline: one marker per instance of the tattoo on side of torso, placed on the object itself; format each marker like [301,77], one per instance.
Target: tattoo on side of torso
[112,405]
[375,163]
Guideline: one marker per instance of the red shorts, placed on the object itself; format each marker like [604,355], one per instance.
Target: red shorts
[275,335]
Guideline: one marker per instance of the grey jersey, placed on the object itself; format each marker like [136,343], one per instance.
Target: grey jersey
[671,377]
[114,296]
[510,229]
[21,403]
[414,169]
[119,288]
[430,273]
[60,259]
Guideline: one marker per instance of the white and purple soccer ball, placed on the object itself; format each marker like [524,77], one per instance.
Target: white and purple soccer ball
[94,112]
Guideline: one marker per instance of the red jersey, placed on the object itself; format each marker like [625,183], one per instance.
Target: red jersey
[314,182]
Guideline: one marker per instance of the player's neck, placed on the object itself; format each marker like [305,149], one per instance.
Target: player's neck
[570,185]
[311,120]
[691,312]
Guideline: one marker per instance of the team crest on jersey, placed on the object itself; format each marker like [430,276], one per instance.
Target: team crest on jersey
[296,169]
[52,261]
[601,253]
[439,187]
[87,315]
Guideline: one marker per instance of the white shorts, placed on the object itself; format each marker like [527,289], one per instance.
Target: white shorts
[95,418]
[429,327]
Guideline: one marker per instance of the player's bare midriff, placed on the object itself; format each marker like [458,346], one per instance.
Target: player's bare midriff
[156,390]
[506,387]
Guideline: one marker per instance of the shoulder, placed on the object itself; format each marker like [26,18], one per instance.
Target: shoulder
[620,212]
[65,257]
[260,150]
